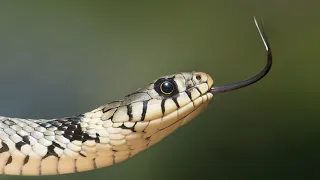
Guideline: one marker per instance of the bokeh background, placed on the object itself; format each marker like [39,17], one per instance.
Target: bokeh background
[61,58]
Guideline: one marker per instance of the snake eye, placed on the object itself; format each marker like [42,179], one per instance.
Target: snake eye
[167,87]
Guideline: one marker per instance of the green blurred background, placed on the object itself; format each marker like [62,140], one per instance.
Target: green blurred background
[60,58]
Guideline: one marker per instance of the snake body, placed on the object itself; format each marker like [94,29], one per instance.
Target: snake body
[105,136]
[113,132]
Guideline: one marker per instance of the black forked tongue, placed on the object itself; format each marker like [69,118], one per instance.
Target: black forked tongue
[256,78]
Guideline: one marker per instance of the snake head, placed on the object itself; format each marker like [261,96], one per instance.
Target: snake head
[151,113]
[168,101]
[173,96]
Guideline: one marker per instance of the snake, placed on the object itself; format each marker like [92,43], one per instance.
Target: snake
[114,132]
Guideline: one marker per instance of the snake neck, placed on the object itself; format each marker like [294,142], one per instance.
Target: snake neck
[115,135]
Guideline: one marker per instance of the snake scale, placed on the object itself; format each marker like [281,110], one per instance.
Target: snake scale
[113,132]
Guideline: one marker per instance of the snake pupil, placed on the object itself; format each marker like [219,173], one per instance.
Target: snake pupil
[167,87]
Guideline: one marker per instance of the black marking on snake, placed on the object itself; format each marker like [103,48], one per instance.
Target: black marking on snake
[77,137]
[62,128]
[78,130]
[105,109]
[68,136]
[82,154]
[78,134]
[4,148]
[68,132]
[189,94]
[163,108]
[72,127]
[51,152]
[87,137]
[198,90]
[75,167]
[174,98]
[26,160]
[57,145]
[94,163]
[144,109]
[97,138]
[129,112]
[9,160]
[20,144]
[26,139]
[73,131]
[131,128]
